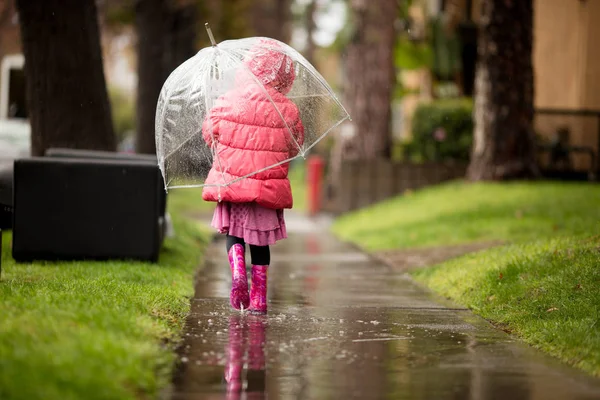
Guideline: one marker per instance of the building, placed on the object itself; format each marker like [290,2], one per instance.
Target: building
[566,69]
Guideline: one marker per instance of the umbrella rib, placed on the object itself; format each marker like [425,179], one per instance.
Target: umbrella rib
[304,96]
[213,149]
[186,186]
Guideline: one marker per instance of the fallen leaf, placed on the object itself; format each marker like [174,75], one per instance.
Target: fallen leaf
[552,309]
[500,276]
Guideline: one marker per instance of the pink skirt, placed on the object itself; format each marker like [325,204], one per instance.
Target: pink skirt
[255,224]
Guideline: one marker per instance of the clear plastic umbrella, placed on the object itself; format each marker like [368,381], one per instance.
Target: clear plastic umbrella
[224,83]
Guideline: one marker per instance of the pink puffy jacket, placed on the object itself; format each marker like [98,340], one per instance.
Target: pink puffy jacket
[250,135]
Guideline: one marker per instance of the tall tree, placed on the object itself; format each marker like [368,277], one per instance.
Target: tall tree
[182,34]
[309,21]
[166,33]
[283,14]
[504,146]
[152,30]
[66,89]
[371,78]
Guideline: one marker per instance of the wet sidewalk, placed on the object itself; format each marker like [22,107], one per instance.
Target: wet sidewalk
[342,325]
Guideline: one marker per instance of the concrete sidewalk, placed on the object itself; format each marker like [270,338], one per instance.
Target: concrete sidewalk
[343,325]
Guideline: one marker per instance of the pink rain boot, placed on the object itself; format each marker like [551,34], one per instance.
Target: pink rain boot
[239,280]
[258,291]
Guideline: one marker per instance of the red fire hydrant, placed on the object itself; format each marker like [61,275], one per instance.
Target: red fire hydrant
[314,175]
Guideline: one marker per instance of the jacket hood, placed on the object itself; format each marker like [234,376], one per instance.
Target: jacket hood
[271,66]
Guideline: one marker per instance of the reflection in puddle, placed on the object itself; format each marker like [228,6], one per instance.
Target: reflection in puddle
[245,348]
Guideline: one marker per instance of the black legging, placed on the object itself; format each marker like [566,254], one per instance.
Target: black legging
[260,255]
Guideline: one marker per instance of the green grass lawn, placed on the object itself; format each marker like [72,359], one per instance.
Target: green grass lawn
[459,212]
[188,200]
[97,330]
[543,285]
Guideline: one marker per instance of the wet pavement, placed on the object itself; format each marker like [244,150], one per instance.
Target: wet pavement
[343,325]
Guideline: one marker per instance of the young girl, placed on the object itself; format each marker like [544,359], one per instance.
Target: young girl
[252,127]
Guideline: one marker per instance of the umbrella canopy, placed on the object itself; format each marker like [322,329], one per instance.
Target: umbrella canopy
[238,94]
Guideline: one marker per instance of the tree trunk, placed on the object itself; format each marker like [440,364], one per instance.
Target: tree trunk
[283,15]
[311,10]
[66,88]
[371,78]
[182,28]
[504,146]
[271,18]
[151,24]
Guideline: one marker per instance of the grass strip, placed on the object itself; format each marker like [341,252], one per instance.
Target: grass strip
[97,330]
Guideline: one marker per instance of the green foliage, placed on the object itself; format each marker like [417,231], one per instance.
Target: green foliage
[123,112]
[412,55]
[442,130]
[546,292]
[96,330]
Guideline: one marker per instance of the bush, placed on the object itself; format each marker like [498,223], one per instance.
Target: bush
[442,130]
